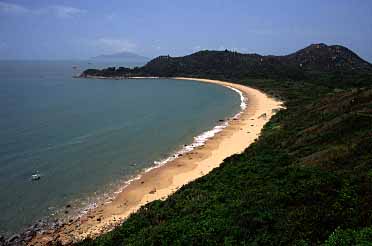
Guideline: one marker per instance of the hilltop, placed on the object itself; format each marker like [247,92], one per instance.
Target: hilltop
[317,62]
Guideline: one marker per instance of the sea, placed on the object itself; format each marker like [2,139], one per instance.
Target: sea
[86,138]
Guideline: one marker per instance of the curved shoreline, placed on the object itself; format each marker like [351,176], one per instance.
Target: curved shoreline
[160,181]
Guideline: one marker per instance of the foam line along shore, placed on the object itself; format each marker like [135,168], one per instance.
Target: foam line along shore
[193,161]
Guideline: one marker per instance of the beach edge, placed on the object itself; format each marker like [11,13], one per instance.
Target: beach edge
[160,182]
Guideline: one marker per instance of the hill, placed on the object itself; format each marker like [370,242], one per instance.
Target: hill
[306,181]
[317,62]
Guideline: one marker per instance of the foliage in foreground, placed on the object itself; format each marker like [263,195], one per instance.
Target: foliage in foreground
[306,181]
[350,237]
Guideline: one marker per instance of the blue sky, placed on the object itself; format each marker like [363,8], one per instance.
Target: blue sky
[50,29]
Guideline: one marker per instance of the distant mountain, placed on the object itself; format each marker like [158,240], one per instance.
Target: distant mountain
[122,56]
[332,65]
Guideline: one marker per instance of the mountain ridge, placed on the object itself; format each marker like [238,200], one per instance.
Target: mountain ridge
[307,180]
[314,62]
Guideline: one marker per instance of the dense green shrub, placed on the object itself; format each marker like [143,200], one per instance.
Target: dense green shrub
[350,237]
[309,174]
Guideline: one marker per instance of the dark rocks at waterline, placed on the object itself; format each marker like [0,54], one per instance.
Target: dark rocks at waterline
[18,239]
[13,238]
[28,234]
[56,225]
[28,239]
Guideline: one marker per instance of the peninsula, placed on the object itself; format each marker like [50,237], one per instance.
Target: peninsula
[305,178]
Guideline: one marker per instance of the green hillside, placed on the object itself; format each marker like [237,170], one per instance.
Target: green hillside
[306,181]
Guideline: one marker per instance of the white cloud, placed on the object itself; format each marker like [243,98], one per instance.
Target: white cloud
[59,11]
[114,45]
[11,8]
[65,11]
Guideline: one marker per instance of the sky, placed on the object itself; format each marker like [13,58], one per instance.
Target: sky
[77,29]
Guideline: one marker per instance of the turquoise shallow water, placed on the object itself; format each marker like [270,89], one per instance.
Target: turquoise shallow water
[87,136]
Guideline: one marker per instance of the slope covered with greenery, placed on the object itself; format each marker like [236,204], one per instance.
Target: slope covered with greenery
[306,181]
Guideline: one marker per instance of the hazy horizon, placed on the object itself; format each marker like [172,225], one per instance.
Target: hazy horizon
[66,30]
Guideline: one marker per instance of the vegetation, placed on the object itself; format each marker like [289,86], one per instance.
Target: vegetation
[306,181]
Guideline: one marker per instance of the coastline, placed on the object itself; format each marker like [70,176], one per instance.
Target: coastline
[163,180]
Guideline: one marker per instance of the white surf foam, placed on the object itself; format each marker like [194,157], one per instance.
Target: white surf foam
[199,141]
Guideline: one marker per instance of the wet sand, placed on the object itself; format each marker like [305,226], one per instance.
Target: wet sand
[161,182]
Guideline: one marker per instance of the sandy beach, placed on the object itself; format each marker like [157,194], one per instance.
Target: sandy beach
[161,182]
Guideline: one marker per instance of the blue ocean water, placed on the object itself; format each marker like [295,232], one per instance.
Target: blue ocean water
[86,136]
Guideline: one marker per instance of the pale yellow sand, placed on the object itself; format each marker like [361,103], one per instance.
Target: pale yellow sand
[161,182]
